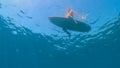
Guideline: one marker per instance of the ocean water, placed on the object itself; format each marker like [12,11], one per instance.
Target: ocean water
[29,40]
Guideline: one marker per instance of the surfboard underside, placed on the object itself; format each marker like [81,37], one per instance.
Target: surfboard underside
[70,24]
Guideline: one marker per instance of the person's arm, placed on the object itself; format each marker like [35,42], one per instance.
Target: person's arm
[76,13]
[83,17]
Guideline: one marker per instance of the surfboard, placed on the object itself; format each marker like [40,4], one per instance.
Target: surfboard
[70,24]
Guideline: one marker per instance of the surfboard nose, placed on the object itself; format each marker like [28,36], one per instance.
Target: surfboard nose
[51,19]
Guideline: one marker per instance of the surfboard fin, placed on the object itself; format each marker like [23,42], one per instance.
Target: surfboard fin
[65,30]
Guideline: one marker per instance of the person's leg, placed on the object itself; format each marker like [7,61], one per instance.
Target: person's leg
[75,21]
[65,30]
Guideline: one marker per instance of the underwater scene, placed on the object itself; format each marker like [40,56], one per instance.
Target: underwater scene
[59,33]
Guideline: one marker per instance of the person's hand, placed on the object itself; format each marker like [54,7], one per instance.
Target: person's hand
[83,17]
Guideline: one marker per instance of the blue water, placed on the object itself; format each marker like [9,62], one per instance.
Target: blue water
[29,40]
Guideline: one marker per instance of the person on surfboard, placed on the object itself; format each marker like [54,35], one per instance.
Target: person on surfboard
[70,13]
